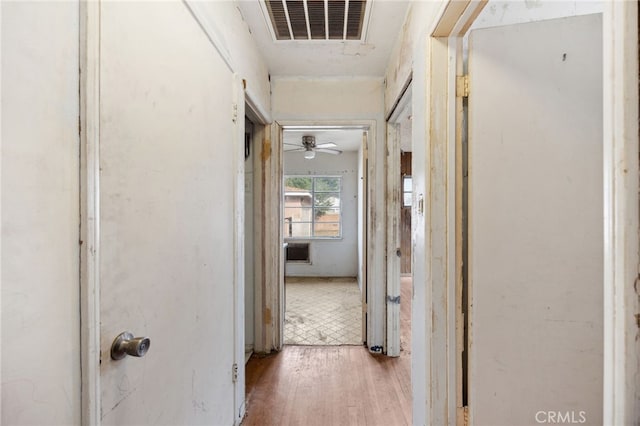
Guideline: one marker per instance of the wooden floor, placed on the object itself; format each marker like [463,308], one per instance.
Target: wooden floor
[332,385]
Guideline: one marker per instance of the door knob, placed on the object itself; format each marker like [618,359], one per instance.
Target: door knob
[125,344]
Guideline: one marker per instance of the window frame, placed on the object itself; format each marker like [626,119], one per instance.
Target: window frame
[313,208]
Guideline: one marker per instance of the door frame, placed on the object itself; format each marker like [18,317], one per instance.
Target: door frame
[274,290]
[237,165]
[621,222]
[621,215]
[90,212]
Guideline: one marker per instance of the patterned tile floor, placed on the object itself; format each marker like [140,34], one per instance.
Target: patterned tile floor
[323,312]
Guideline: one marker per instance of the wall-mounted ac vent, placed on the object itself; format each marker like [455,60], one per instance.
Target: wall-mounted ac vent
[298,252]
[317,19]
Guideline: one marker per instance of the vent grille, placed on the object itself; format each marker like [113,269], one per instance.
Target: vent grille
[317,19]
[298,252]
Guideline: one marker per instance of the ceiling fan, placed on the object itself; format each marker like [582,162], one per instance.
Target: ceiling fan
[310,148]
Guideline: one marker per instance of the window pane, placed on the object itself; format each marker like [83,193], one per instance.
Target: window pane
[297,230]
[301,230]
[327,184]
[407,199]
[326,229]
[407,184]
[327,214]
[327,199]
[297,184]
[297,214]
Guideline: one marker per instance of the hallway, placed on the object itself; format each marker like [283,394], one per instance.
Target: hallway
[144,154]
[332,385]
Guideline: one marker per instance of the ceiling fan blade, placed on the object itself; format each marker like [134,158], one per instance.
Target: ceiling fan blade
[326,145]
[295,150]
[292,144]
[328,151]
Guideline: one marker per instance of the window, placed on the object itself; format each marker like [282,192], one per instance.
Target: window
[407,191]
[312,207]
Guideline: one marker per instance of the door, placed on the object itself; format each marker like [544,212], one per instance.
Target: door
[536,224]
[169,254]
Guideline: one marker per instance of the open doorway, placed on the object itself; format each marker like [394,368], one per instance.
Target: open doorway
[322,216]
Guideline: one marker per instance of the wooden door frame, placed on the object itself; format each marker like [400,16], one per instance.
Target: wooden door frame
[442,217]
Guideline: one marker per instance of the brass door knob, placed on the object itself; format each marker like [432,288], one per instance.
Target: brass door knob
[125,344]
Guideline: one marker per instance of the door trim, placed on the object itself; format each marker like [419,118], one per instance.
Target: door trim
[621,245]
[89,176]
[238,248]
[442,220]
[394,206]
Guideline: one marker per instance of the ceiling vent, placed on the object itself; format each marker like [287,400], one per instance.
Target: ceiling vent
[296,20]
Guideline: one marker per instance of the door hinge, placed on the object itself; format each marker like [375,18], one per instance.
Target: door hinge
[462,86]
[391,299]
[234,113]
[234,372]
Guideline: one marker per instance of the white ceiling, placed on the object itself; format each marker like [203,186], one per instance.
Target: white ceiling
[319,58]
[345,139]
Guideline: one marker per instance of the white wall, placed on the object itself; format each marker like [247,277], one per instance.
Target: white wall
[498,13]
[40,219]
[227,29]
[330,258]
[343,101]
[510,12]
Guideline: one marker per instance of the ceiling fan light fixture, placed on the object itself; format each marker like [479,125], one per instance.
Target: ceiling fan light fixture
[309,154]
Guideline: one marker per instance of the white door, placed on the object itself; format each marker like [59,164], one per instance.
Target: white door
[167,221]
[536,223]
